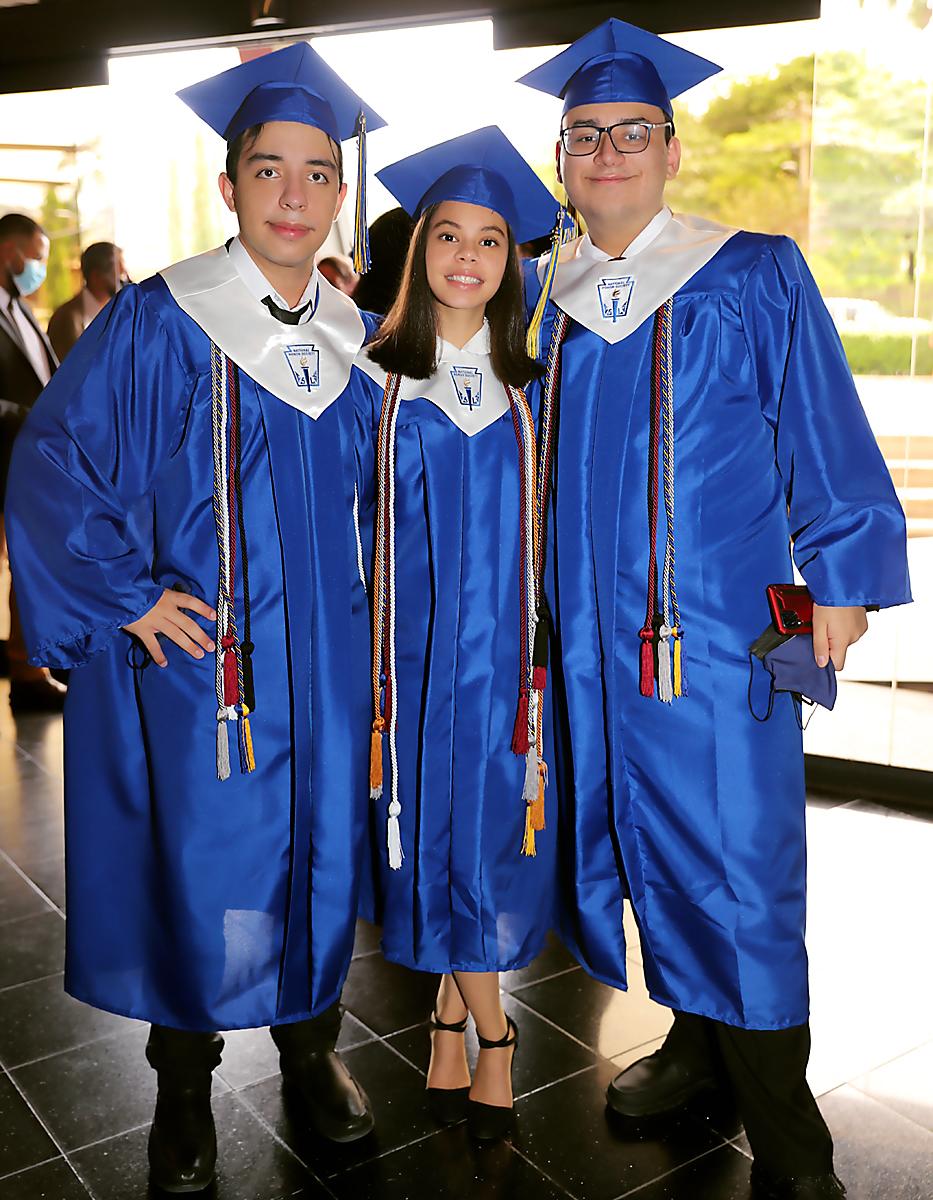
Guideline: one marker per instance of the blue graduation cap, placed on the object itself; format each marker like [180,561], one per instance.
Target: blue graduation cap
[620,62]
[294,84]
[482,167]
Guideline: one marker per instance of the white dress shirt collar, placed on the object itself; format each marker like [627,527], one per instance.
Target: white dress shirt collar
[655,226]
[259,287]
[480,344]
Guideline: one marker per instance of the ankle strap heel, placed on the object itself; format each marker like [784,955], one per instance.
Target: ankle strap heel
[449,1027]
[508,1039]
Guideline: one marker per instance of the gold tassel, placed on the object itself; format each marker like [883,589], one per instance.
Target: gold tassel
[248,741]
[678,667]
[537,808]
[533,340]
[528,844]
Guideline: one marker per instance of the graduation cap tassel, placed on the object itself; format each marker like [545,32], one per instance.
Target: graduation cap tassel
[564,230]
[361,258]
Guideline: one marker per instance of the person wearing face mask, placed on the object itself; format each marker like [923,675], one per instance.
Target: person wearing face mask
[104,273]
[27,362]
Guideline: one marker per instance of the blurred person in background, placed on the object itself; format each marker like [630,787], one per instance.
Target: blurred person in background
[337,269]
[389,236]
[104,273]
[27,362]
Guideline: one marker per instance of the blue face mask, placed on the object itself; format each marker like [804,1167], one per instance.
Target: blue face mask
[31,278]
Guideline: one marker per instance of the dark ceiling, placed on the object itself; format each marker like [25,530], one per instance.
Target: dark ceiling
[65,43]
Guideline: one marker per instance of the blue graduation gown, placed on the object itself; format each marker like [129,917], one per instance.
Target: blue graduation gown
[694,809]
[195,903]
[465,898]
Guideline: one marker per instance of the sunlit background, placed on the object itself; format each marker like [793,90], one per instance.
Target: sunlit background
[819,129]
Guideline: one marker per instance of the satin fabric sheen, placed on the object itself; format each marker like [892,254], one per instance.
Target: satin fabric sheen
[694,809]
[193,903]
[465,898]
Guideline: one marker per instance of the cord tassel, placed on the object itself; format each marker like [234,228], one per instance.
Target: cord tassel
[375,761]
[246,733]
[528,841]
[530,787]
[679,689]
[520,730]
[665,676]
[537,815]
[565,229]
[223,746]
[361,258]
[396,855]
[646,672]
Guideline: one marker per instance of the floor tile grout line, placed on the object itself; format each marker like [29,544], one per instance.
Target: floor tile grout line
[51,1136]
[261,1121]
[35,887]
[28,917]
[32,1166]
[534,1166]
[884,1104]
[560,1029]
[554,1082]
[667,1174]
[11,987]
[109,1138]
[35,762]
[543,979]
[106,1037]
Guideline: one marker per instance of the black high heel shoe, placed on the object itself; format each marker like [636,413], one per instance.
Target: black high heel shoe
[447,1105]
[488,1122]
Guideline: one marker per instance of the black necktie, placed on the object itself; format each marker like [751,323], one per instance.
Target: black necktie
[286,316]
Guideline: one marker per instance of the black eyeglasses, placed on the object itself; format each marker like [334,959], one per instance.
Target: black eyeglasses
[627,137]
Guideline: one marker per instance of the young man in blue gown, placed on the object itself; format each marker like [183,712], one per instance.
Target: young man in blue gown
[707,426]
[184,532]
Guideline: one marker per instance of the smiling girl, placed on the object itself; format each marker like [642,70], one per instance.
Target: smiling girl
[457,774]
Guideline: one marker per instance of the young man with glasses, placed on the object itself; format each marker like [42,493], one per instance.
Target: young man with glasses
[707,419]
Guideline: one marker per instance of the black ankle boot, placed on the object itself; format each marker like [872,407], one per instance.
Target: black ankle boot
[666,1080]
[182,1140]
[315,1075]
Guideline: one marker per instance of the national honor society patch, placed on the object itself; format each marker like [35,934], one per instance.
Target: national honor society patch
[469,384]
[615,295]
[305,364]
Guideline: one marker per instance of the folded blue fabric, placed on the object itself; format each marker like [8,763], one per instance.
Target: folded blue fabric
[794,669]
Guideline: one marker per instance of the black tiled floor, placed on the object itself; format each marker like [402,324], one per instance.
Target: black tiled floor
[52,1181]
[568,1133]
[17,898]
[252,1165]
[608,1020]
[32,947]
[38,1019]
[84,1074]
[447,1166]
[23,1141]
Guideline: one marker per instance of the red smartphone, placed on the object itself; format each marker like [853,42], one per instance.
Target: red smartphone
[791,608]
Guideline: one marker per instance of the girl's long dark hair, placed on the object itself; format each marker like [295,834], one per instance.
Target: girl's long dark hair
[406,343]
